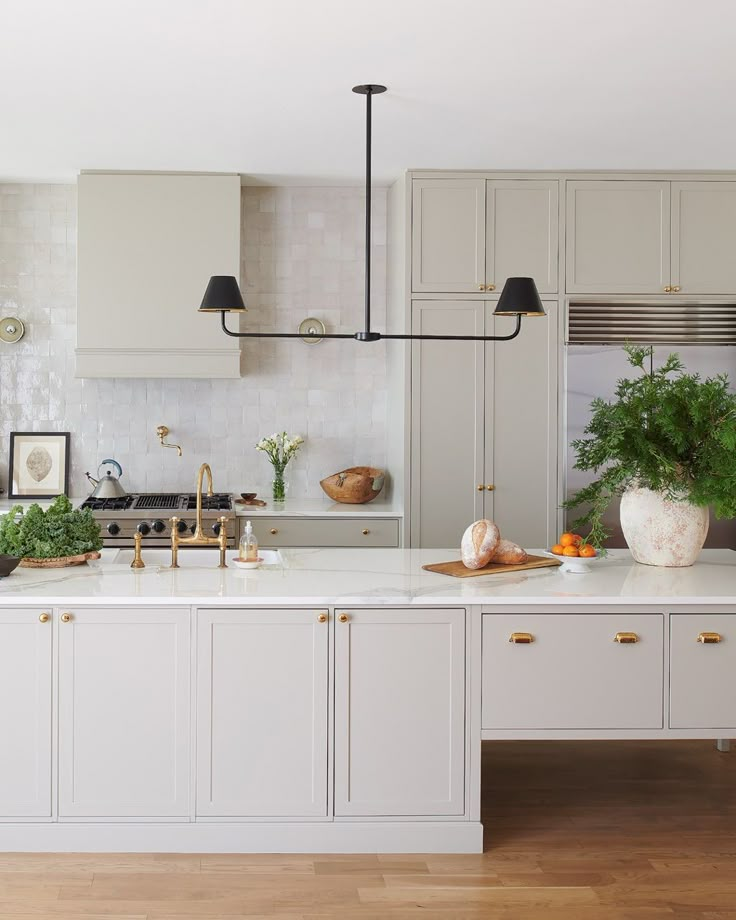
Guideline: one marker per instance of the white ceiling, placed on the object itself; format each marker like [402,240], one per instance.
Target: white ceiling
[263,88]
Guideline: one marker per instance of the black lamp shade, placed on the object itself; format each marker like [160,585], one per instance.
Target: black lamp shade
[519,297]
[222,296]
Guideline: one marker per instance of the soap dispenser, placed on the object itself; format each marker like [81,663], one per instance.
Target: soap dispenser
[248,544]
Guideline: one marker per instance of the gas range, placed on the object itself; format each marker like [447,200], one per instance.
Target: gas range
[149,514]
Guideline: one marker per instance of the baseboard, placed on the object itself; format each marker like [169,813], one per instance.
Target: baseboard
[352,837]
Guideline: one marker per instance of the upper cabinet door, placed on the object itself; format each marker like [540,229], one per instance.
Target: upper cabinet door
[618,237]
[704,237]
[521,232]
[25,714]
[448,235]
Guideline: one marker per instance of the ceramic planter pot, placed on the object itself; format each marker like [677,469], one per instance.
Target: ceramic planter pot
[662,532]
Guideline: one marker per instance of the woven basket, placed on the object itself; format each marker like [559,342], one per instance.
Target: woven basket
[59,562]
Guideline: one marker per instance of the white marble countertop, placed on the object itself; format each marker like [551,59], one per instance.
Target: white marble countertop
[319,507]
[324,577]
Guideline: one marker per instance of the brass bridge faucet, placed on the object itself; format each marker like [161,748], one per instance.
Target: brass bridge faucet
[199,538]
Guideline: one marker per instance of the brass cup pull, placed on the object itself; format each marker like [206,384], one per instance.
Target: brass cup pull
[66,618]
[709,638]
[322,618]
[490,287]
[43,618]
[343,618]
[274,531]
[521,638]
[490,487]
[366,532]
[625,638]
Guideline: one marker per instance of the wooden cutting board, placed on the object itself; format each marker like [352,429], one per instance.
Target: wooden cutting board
[458,570]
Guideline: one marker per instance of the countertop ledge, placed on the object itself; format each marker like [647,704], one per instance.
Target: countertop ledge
[373,577]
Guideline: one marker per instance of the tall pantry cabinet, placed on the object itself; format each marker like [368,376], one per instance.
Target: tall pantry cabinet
[481,431]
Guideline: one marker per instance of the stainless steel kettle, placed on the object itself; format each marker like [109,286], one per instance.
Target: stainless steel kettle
[107,485]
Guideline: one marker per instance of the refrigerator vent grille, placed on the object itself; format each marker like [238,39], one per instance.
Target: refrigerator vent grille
[651,324]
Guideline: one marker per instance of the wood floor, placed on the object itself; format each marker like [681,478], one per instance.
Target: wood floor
[574,831]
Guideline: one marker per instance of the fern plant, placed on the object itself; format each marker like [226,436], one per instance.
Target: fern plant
[666,430]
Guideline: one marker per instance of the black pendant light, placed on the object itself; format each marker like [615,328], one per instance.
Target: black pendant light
[519,296]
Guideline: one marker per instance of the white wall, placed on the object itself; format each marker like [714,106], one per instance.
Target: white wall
[302,255]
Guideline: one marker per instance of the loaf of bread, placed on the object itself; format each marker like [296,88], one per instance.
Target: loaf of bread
[508,553]
[479,543]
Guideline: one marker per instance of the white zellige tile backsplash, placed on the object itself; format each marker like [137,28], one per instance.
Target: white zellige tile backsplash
[302,255]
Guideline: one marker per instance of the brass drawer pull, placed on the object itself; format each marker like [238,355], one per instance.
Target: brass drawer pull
[66,618]
[322,618]
[521,638]
[626,638]
[43,618]
[274,531]
[343,618]
[709,638]
[366,532]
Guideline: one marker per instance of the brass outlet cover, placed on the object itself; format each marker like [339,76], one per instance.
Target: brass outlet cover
[311,330]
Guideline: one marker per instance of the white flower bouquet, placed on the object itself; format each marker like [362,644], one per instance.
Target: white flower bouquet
[280,448]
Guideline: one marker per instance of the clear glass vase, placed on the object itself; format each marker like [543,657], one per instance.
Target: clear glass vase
[279,486]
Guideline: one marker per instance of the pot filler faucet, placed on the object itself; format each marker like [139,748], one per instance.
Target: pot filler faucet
[199,538]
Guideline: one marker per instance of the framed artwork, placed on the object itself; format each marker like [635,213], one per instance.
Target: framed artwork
[39,464]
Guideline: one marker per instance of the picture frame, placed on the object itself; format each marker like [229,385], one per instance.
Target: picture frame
[39,464]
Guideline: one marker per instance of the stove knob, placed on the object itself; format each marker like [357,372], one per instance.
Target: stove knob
[193,528]
[113,528]
[216,529]
[158,526]
[143,528]
[181,526]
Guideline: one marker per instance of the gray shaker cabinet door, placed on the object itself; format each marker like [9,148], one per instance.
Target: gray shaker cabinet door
[618,237]
[448,235]
[447,422]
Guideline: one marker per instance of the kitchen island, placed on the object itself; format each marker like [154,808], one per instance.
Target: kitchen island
[334,701]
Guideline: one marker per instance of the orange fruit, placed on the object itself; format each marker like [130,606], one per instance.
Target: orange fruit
[570,551]
[587,551]
[570,539]
[557,549]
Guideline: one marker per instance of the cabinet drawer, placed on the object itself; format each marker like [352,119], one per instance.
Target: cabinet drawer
[702,687]
[573,675]
[280,531]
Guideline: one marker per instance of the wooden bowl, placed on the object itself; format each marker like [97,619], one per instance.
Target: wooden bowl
[354,486]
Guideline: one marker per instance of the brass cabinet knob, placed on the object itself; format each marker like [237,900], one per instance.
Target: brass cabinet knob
[274,531]
[481,287]
[625,638]
[343,618]
[366,532]
[322,618]
[66,617]
[521,638]
[481,487]
[490,487]
[490,287]
[709,638]
[676,289]
[668,289]
[43,618]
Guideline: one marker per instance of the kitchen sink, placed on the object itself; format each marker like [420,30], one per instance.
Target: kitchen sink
[191,558]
